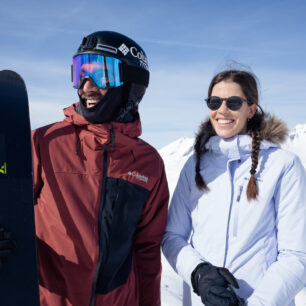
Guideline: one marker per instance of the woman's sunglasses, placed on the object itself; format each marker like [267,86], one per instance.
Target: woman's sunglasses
[233,103]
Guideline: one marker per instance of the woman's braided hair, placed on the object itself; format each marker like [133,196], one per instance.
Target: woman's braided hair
[248,84]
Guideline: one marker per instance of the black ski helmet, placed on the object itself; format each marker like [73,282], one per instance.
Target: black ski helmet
[134,69]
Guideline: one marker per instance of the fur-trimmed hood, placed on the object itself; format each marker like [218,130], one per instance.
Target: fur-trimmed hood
[272,129]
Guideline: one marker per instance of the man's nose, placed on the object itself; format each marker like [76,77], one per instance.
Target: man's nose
[88,85]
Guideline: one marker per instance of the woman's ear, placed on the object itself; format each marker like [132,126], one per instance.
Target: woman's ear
[252,110]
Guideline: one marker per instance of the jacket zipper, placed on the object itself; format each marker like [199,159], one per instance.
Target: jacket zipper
[235,225]
[112,137]
[229,214]
[104,173]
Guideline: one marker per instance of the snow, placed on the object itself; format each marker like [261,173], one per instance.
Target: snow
[175,155]
[297,142]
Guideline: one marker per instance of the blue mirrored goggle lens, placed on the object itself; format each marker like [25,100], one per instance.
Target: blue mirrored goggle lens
[102,70]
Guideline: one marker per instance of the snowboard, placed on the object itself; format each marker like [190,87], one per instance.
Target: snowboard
[18,275]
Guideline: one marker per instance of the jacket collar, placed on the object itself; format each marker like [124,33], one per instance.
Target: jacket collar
[103,131]
[235,147]
[273,132]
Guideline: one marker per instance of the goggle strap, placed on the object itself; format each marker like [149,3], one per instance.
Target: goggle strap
[134,74]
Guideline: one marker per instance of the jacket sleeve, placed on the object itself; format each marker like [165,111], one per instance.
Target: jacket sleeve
[176,247]
[148,236]
[287,275]
[37,180]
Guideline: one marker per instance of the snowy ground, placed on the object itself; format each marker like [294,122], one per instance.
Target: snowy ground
[175,155]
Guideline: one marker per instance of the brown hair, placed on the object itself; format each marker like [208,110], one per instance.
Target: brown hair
[248,84]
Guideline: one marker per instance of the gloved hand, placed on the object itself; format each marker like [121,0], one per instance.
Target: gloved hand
[7,244]
[214,285]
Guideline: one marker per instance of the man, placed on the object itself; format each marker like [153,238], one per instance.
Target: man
[101,192]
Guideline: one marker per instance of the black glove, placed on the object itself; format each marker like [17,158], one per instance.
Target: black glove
[7,244]
[214,285]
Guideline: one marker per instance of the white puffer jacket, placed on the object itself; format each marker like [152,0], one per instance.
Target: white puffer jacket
[262,242]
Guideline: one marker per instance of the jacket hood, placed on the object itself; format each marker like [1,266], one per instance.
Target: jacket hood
[131,129]
[272,129]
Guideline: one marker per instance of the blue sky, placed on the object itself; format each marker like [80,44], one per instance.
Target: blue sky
[186,42]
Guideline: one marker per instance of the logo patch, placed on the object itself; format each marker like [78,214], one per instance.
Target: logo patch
[138,176]
[3,169]
[143,61]
[124,49]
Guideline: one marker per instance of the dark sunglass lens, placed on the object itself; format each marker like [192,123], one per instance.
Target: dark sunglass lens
[234,103]
[214,103]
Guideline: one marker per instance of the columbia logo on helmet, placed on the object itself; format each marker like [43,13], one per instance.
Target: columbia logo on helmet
[140,55]
[135,53]
[124,49]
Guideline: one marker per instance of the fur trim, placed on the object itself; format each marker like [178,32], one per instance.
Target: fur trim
[272,129]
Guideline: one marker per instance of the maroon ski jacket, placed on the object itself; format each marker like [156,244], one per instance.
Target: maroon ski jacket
[101,199]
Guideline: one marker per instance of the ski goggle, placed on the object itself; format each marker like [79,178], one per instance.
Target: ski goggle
[104,71]
[233,103]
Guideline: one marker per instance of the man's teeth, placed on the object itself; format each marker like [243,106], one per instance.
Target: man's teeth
[92,101]
[224,121]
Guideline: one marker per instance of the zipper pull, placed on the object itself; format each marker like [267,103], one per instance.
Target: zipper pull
[239,194]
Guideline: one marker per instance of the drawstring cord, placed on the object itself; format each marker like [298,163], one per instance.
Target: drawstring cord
[77,147]
[133,156]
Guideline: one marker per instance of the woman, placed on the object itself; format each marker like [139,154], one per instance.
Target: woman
[237,221]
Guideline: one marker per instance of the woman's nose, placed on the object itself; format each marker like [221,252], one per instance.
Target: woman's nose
[223,108]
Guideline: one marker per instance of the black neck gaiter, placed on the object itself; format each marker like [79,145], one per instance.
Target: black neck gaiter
[106,109]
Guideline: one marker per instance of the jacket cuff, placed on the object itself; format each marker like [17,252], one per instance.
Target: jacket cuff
[187,260]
